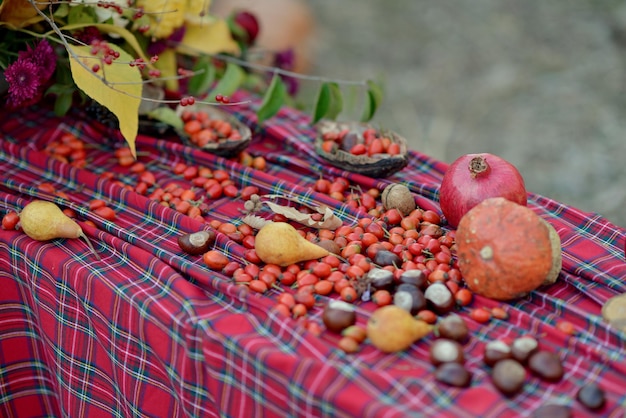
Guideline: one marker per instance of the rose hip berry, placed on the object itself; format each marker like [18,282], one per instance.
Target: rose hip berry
[10,221]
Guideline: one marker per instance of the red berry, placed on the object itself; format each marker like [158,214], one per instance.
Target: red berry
[480,315]
[382,297]
[358,149]
[258,286]
[375,147]
[463,297]
[322,186]
[215,260]
[10,221]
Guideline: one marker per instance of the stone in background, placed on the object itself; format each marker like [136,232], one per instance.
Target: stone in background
[539,83]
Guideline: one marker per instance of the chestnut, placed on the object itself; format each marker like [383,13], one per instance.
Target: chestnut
[410,298]
[338,315]
[454,328]
[330,246]
[553,410]
[415,277]
[381,279]
[508,376]
[523,347]
[591,396]
[547,365]
[444,350]
[196,243]
[439,298]
[387,258]
[349,140]
[453,374]
[495,351]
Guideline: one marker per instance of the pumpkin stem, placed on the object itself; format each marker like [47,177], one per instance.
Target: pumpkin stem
[478,165]
[486,253]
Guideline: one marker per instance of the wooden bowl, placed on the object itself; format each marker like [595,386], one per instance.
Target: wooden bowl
[223,146]
[351,133]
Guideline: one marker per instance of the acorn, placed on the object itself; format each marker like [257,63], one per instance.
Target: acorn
[398,196]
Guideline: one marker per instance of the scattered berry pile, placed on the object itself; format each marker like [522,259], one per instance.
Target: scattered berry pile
[202,129]
[370,142]
[382,259]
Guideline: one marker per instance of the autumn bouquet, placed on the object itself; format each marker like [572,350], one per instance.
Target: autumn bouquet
[115,52]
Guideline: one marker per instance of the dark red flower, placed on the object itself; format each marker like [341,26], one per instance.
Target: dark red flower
[88,35]
[24,83]
[43,57]
[249,25]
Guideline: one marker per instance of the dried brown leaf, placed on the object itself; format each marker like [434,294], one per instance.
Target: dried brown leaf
[329,221]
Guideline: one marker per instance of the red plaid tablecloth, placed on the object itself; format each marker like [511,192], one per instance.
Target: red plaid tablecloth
[149,332]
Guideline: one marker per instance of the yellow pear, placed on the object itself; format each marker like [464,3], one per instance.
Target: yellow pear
[279,243]
[391,329]
[42,221]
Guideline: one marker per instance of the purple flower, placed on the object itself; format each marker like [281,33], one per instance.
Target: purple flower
[24,84]
[285,59]
[157,47]
[43,57]
[178,35]
[291,83]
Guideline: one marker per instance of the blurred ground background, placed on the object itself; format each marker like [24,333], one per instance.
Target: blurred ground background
[542,84]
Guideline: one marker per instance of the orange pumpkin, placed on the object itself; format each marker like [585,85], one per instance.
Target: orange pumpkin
[506,250]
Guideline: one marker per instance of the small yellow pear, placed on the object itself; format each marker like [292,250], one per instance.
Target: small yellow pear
[279,243]
[43,221]
[391,329]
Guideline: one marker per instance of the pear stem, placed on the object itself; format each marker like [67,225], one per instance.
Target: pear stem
[93,250]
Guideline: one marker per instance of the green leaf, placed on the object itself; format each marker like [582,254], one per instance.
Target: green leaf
[166,115]
[62,103]
[59,88]
[203,79]
[336,101]
[374,97]
[273,99]
[230,81]
[322,104]
[62,11]
[329,102]
[82,14]
[236,29]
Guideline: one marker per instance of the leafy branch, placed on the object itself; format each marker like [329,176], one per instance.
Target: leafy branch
[117,83]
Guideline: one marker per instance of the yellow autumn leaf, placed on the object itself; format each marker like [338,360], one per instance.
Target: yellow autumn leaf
[197,9]
[121,93]
[20,13]
[127,35]
[207,37]
[168,65]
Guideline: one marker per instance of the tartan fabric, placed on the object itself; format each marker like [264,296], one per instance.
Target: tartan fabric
[149,332]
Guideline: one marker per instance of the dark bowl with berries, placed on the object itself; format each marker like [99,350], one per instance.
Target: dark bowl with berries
[214,130]
[361,148]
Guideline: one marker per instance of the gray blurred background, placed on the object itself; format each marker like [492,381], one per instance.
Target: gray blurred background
[540,83]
